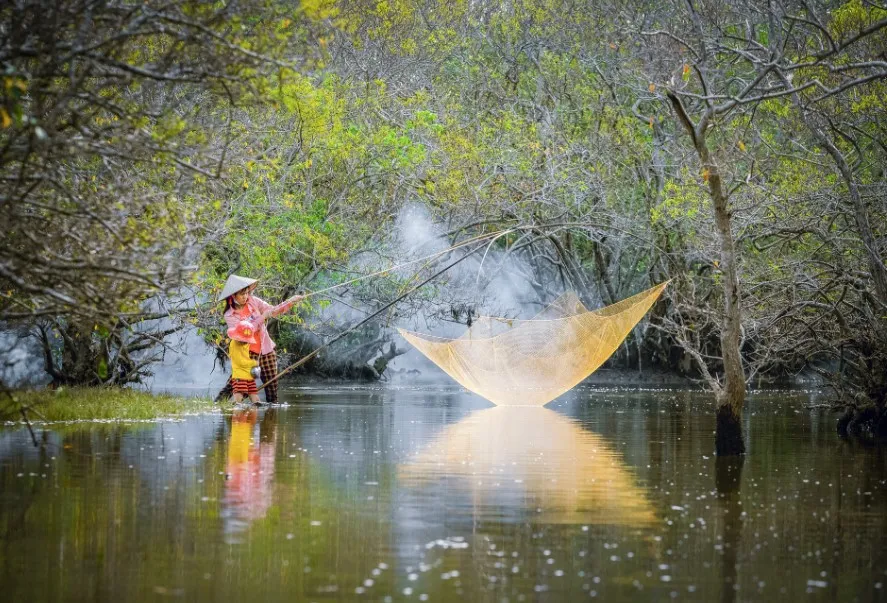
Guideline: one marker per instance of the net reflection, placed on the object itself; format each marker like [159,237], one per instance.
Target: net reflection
[249,471]
[533,460]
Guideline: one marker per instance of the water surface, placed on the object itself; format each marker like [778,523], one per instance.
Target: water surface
[430,494]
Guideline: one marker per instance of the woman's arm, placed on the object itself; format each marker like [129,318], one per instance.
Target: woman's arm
[268,310]
[264,309]
[287,305]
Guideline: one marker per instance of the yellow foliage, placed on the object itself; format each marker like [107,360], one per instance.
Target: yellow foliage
[319,9]
[853,17]
[15,82]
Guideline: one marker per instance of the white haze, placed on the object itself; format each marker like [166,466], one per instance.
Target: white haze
[486,282]
[21,360]
[188,365]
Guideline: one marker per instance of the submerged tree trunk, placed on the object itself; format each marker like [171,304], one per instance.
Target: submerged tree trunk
[731,396]
[728,430]
[728,439]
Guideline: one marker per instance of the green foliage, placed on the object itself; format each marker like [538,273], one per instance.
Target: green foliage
[311,128]
[681,203]
[112,146]
[855,16]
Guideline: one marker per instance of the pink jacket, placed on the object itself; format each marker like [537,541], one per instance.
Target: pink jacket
[253,311]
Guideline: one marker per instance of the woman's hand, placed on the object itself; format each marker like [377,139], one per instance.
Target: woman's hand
[288,304]
[285,306]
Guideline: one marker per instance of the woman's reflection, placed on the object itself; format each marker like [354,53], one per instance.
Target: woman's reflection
[534,460]
[249,473]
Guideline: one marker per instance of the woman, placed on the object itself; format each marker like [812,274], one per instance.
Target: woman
[240,305]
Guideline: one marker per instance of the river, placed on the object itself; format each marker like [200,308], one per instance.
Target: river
[430,494]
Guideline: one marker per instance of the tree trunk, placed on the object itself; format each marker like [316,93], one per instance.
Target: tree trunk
[573,270]
[860,216]
[730,399]
[731,396]
[80,356]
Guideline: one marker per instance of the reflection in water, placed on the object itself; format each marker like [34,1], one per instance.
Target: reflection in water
[249,471]
[534,458]
[728,475]
[516,504]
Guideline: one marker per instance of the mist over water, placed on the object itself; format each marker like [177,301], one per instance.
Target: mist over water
[492,284]
[487,284]
[188,365]
[21,360]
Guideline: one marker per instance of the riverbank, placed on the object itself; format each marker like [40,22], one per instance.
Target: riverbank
[97,403]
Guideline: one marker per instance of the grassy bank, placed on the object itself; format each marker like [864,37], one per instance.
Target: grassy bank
[88,403]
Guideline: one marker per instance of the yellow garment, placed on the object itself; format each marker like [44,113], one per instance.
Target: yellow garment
[241,363]
[531,362]
[238,443]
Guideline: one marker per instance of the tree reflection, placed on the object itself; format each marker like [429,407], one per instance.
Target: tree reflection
[728,475]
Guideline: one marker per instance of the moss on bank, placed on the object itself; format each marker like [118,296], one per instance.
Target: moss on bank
[88,403]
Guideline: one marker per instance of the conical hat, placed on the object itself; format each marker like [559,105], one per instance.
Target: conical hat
[234,284]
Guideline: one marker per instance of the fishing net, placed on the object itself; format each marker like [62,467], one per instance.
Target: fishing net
[531,362]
